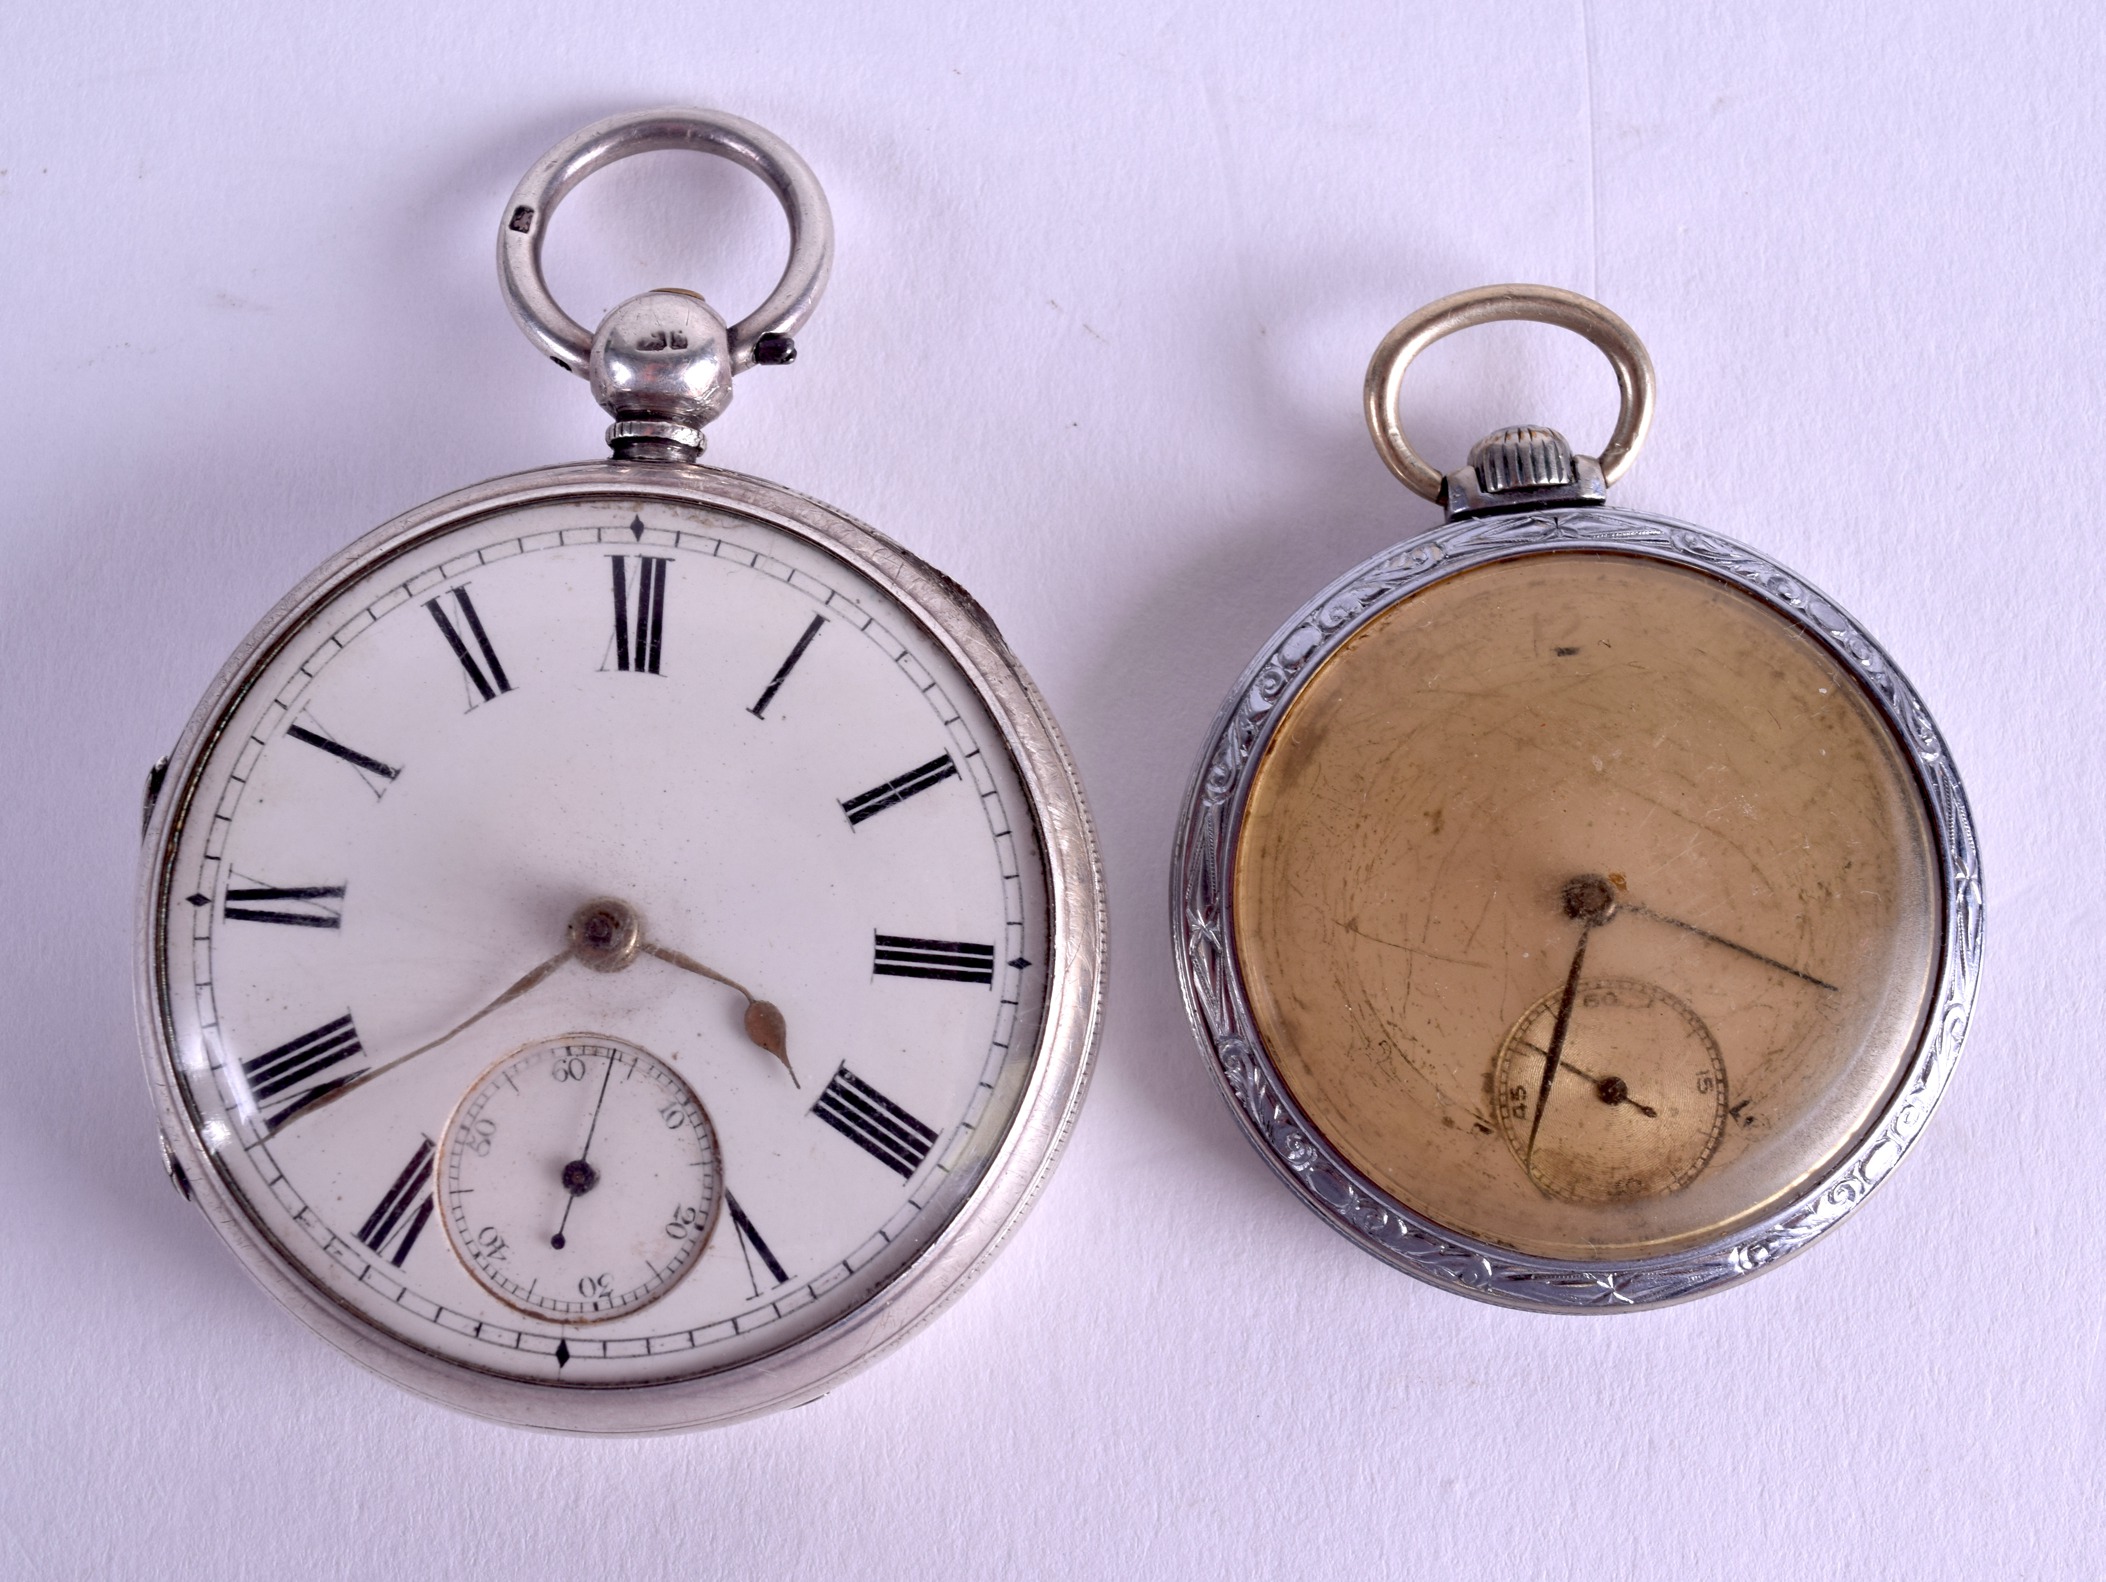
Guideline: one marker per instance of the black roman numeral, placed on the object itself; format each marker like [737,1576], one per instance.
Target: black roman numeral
[372,771]
[302,1071]
[304,906]
[752,1246]
[933,958]
[394,1225]
[874,1123]
[488,684]
[893,792]
[637,640]
[782,674]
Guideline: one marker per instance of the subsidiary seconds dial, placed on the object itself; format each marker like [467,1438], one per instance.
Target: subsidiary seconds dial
[580,1179]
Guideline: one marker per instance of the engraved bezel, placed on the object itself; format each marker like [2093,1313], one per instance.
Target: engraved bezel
[808,1367]
[1210,977]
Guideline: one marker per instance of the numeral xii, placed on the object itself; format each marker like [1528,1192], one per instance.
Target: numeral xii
[639,621]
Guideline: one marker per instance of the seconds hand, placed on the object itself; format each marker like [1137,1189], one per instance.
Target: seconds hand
[1590,900]
[578,1176]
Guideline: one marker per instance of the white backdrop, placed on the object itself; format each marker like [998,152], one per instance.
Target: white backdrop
[1108,275]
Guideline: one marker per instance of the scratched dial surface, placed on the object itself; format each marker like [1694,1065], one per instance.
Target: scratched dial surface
[1586,905]
[721,725]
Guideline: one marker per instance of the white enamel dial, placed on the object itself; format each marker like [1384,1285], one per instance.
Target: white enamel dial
[708,718]
[578,1180]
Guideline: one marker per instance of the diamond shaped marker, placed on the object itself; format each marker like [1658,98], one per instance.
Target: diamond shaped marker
[636,527]
[198,900]
[562,1352]
[1019,963]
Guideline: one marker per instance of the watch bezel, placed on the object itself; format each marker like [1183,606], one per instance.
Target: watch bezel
[807,1367]
[1217,1002]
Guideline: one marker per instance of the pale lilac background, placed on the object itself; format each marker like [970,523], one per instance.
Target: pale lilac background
[1108,276]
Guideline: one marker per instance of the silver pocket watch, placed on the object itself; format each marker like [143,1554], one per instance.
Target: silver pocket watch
[620,945]
[1577,909]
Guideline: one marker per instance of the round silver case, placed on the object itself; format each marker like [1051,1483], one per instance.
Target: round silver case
[987,1208]
[1203,931]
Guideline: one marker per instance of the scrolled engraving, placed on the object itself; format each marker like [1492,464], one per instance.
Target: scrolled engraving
[1219,1006]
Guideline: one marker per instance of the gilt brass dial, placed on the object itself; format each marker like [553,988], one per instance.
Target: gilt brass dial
[1586,905]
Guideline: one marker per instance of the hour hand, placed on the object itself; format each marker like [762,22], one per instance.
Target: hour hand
[607,935]
[764,1023]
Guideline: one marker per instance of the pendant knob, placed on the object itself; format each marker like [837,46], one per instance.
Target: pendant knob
[661,366]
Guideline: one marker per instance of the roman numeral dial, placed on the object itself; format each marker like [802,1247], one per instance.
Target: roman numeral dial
[948,959]
[488,677]
[639,611]
[786,774]
[303,1070]
[398,1219]
[891,1135]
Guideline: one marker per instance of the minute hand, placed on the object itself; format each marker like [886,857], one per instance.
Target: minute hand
[764,1023]
[1557,1036]
[333,1094]
[1718,939]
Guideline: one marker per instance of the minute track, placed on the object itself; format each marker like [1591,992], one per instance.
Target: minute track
[778,1301]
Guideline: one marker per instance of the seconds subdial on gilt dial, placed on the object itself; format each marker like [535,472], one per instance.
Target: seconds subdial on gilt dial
[640,892]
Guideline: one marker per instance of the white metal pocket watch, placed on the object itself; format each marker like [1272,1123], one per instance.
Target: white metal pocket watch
[1578,909]
[620,945]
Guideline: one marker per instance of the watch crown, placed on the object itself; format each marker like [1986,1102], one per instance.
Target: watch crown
[661,365]
[1520,469]
[1522,458]
[177,1176]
